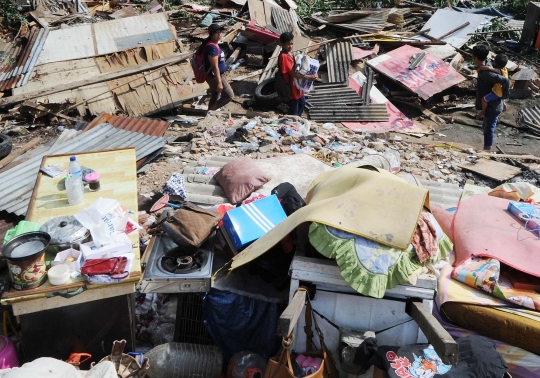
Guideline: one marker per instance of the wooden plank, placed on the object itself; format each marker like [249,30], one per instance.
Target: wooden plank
[327,272]
[243,77]
[233,32]
[289,317]
[97,79]
[492,169]
[45,110]
[25,147]
[508,156]
[42,304]
[445,346]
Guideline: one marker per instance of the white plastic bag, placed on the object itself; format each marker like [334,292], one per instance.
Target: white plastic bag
[103,218]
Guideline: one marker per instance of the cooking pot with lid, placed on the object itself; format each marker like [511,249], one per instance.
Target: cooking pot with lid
[66,232]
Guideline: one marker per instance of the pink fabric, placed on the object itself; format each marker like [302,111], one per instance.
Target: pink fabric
[484,227]
[444,218]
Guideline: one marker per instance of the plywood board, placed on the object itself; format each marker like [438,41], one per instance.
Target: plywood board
[118,180]
[492,169]
[106,37]
[53,74]
[256,12]
[430,77]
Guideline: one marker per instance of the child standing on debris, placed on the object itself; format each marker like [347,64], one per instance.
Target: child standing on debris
[486,80]
[286,67]
[221,92]
[496,92]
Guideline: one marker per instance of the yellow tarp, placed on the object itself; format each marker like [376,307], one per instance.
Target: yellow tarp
[368,202]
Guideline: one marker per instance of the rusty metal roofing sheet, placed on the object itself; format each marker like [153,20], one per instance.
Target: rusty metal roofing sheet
[338,60]
[146,126]
[20,61]
[16,184]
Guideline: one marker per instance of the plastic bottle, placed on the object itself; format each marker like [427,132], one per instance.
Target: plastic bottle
[247,147]
[273,133]
[251,124]
[237,63]
[246,365]
[74,183]
[296,150]
[292,132]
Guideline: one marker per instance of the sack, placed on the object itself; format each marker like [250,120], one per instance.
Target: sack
[197,64]
[113,267]
[189,226]
[282,88]
[281,366]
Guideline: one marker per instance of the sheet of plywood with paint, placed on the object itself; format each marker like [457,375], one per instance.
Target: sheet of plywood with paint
[430,77]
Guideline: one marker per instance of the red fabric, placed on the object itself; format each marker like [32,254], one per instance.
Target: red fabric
[483,227]
[286,65]
[425,238]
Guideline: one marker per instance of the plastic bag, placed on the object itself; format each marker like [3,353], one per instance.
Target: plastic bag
[182,360]
[103,218]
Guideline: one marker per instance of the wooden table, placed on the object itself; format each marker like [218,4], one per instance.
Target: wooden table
[49,200]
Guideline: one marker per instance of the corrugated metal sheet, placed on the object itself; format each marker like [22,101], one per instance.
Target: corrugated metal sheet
[16,185]
[364,113]
[530,118]
[338,60]
[19,62]
[106,37]
[441,194]
[373,23]
[146,126]
[282,20]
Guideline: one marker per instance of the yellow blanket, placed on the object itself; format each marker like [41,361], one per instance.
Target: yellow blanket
[364,201]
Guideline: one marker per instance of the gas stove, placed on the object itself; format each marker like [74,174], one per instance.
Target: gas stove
[169,270]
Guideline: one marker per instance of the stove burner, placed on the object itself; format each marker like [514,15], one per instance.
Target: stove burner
[183,264]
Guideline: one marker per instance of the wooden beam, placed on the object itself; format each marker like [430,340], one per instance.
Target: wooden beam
[288,319]
[25,147]
[43,109]
[232,33]
[507,156]
[247,76]
[159,63]
[445,346]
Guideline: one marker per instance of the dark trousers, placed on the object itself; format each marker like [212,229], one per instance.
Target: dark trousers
[296,107]
[489,123]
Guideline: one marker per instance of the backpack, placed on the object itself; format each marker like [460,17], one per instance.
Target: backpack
[197,64]
[282,88]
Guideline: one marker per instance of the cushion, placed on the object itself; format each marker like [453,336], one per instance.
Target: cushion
[240,178]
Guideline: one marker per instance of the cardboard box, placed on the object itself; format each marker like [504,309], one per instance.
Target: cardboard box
[225,242]
[78,256]
[121,246]
[247,223]
[527,213]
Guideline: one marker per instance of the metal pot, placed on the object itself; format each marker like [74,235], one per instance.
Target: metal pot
[66,232]
[25,255]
